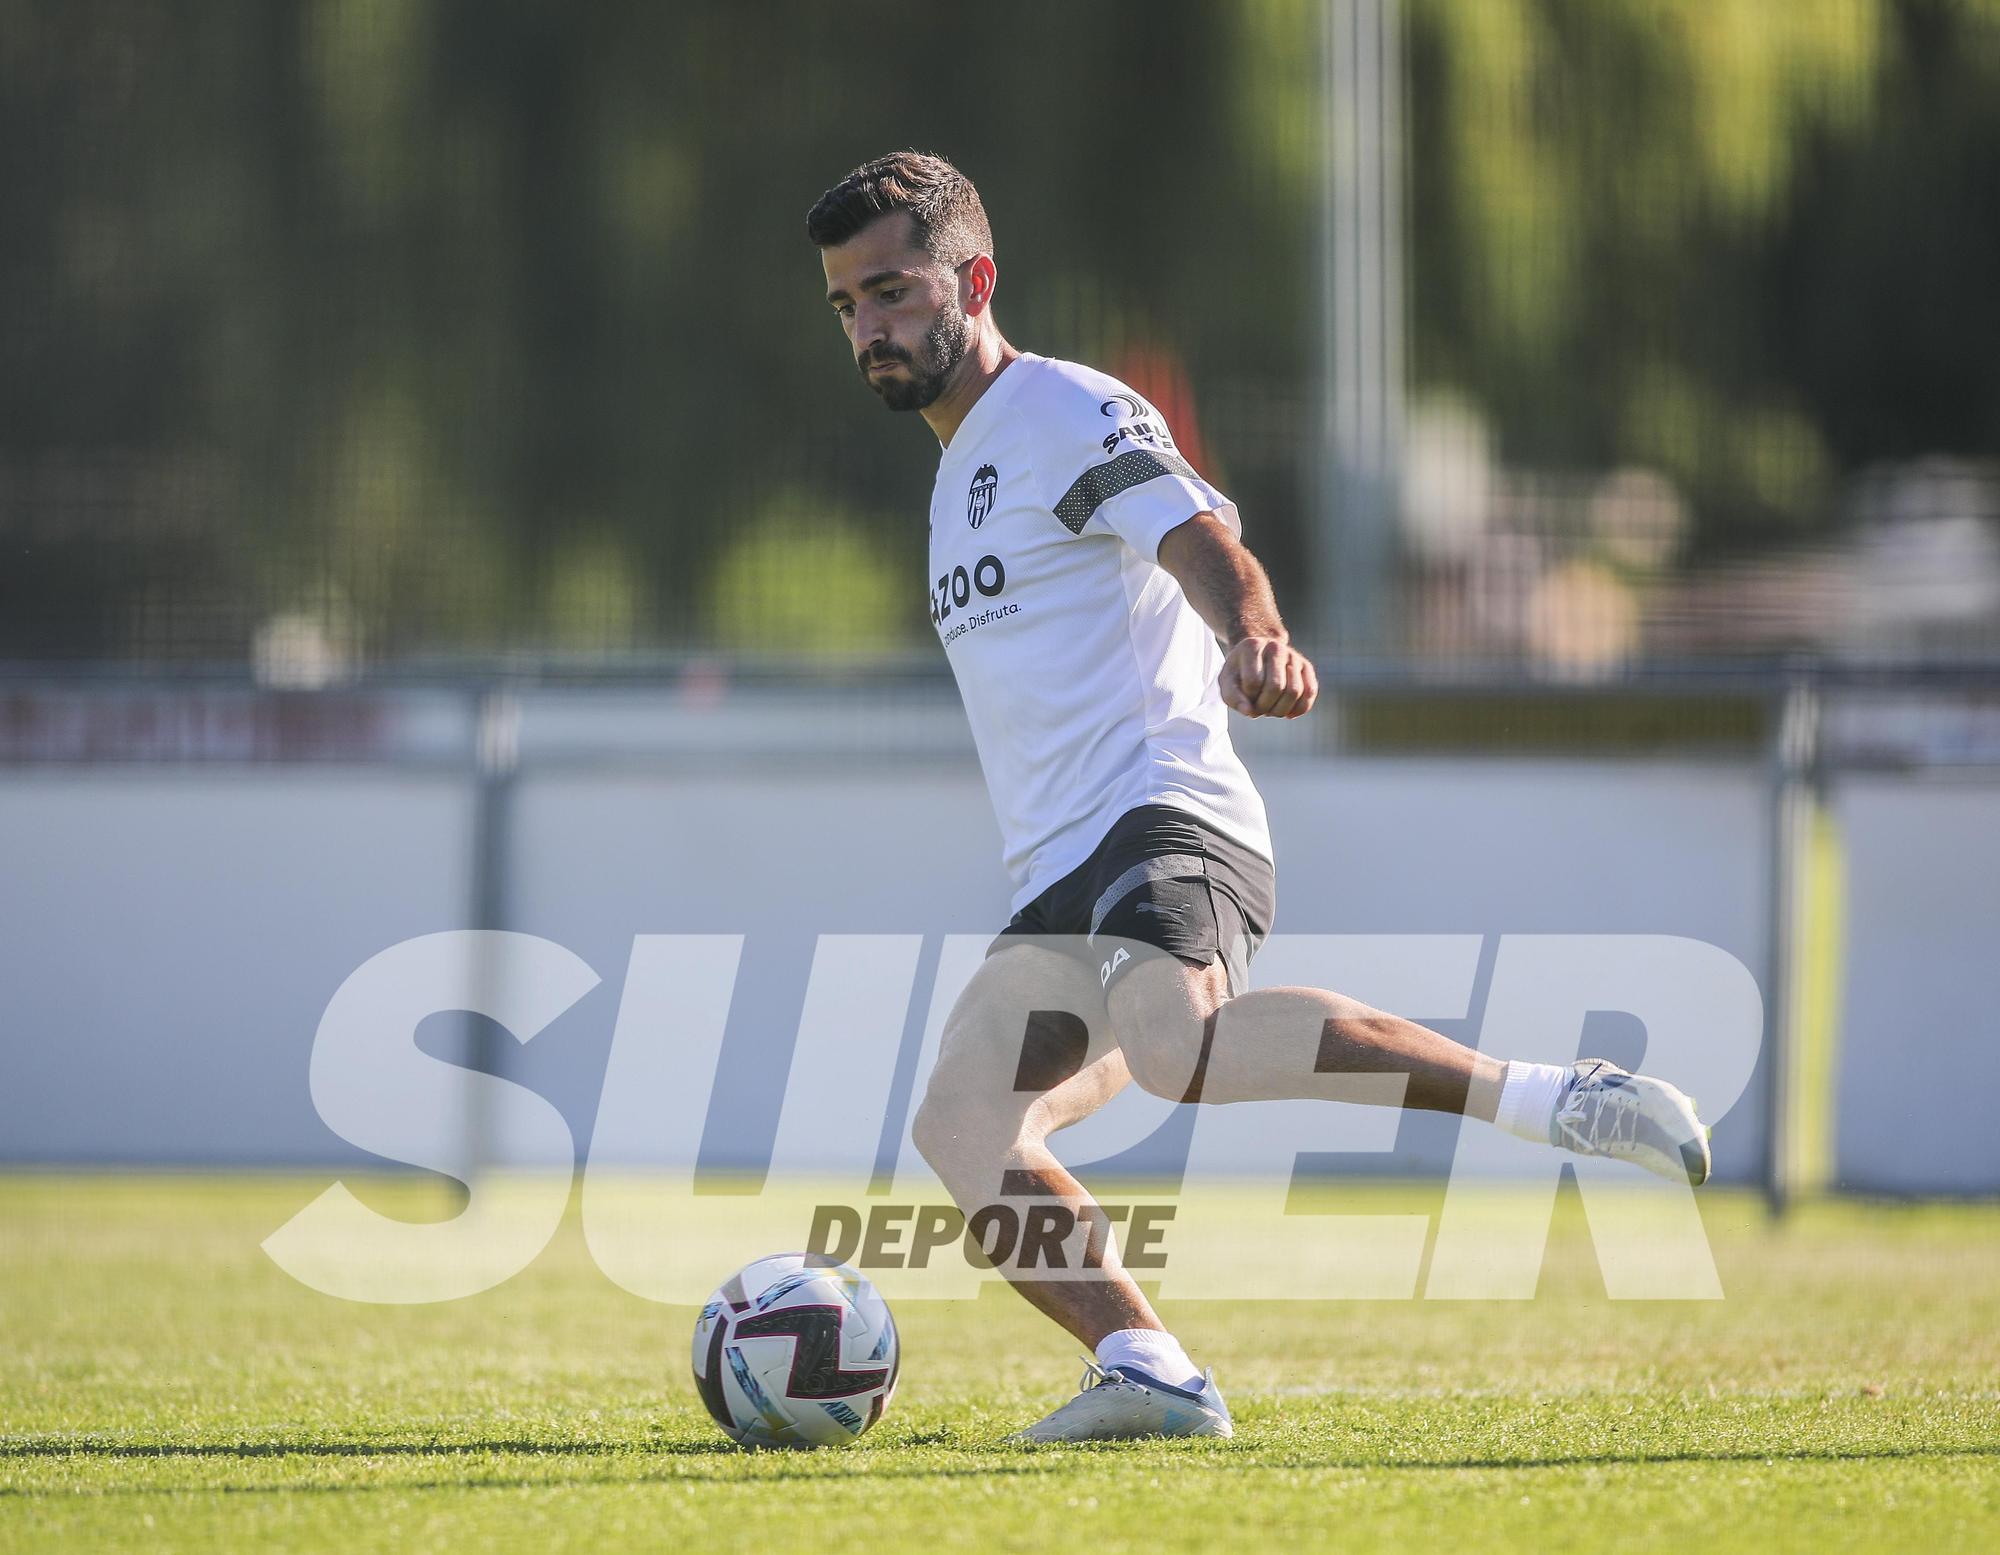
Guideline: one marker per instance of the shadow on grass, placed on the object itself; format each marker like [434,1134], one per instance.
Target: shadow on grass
[72,1448]
[698,1461]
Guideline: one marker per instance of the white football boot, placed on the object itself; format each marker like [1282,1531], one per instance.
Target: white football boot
[1125,1403]
[1631,1117]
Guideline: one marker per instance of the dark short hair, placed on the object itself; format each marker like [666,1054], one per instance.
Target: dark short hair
[950,221]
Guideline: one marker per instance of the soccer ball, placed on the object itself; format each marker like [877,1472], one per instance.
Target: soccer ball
[795,1350]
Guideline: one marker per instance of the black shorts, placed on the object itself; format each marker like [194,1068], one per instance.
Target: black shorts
[1162,880]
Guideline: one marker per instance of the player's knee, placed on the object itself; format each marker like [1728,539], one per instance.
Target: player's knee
[955,1132]
[1166,1062]
[934,1130]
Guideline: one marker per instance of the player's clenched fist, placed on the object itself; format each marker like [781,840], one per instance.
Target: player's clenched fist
[1266,677]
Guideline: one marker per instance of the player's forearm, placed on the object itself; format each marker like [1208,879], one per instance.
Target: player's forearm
[1227,586]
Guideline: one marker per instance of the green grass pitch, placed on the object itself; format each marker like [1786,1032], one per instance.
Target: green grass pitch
[164,1386]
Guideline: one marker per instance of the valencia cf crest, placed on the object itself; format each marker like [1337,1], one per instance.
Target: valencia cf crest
[980,501]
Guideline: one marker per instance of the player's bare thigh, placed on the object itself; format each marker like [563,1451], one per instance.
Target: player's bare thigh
[996,1060]
[1158,1011]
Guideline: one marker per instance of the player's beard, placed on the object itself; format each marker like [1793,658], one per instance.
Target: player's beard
[929,368]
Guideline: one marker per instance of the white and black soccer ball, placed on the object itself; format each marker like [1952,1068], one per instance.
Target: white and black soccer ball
[795,1351]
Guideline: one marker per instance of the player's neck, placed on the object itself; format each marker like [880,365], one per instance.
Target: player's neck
[982,364]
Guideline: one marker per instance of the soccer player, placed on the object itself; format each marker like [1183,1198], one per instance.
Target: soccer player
[1101,614]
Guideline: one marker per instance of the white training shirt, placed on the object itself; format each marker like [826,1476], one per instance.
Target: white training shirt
[1089,680]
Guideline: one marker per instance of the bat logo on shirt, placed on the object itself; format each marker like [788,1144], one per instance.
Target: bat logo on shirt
[979,501]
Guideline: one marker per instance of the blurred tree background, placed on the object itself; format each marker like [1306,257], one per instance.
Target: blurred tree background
[1748,244]
[411,329]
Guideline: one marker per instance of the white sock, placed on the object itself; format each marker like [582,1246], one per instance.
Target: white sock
[1153,1350]
[1529,1096]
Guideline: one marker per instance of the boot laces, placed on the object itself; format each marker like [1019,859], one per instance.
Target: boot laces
[1095,1376]
[1602,1114]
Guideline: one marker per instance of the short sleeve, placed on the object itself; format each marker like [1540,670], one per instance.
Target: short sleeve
[1110,466]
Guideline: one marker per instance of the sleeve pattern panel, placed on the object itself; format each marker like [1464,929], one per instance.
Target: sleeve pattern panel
[1101,482]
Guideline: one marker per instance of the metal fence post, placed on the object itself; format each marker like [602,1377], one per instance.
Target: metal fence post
[496,757]
[1362,366]
[1793,763]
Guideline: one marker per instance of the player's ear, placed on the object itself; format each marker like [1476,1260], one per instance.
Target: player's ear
[976,280]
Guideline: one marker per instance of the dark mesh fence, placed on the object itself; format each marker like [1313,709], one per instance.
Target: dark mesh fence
[375,332]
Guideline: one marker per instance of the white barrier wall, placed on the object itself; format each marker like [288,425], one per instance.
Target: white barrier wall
[1919,1056]
[170,935]
[1364,848]
[173,935]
